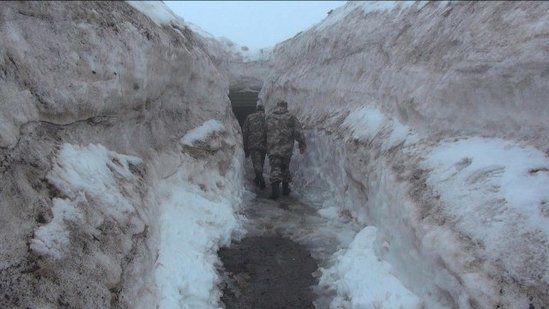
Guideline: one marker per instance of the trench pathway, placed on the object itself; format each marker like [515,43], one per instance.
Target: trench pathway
[276,264]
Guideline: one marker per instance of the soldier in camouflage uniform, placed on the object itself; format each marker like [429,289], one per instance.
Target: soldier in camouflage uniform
[255,142]
[282,130]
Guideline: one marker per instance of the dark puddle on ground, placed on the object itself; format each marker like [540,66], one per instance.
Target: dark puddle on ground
[267,272]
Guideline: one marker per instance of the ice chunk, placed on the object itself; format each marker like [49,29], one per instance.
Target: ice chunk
[202,132]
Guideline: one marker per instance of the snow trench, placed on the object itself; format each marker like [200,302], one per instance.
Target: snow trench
[423,185]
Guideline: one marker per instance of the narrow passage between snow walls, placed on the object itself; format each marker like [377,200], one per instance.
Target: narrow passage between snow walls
[423,186]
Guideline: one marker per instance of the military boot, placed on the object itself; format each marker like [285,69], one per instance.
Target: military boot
[286,188]
[276,188]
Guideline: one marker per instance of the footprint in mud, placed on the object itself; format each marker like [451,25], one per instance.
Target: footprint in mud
[267,272]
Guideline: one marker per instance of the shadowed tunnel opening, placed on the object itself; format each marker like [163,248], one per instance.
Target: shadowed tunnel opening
[243,103]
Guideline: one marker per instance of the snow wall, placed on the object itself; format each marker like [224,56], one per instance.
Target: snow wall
[427,122]
[120,158]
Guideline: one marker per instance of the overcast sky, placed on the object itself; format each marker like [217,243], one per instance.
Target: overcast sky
[255,24]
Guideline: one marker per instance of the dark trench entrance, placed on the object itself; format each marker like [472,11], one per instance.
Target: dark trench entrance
[243,103]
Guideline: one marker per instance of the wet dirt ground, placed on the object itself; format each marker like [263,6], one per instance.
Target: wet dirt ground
[268,272]
[276,265]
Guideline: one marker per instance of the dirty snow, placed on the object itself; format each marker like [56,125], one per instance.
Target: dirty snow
[84,174]
[202,132]
[198,205]
[365,122]
[94,170]
[488,169]
[337,15]
[156,10]
[363,280]
[506,186]
[193,227]
[368,122]
[53,238]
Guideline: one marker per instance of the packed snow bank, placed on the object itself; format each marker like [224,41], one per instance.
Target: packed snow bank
[98,218]
[367,123]
[488,169]
[197,217]
[95,98]
[505,186]
[338,15]
[241,66]
[84,175]
[426,120]
[156,10]
[362,280]
[193,228]
[161,14]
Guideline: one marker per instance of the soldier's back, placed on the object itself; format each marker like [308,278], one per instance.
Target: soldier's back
[257,121]
[280,139]
[257,138]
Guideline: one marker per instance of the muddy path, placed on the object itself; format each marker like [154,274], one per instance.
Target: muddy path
[268,272]
[277,264]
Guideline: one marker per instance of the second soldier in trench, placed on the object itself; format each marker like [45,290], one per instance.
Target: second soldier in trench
[255,142]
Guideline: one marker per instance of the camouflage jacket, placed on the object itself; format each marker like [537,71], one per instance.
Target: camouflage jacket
[254,132]
[282,130]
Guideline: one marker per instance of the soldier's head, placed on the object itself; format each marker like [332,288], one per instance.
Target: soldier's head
[259,107]
[282,104]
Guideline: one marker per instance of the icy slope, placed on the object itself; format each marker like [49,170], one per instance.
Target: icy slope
[95,99]
[427,121]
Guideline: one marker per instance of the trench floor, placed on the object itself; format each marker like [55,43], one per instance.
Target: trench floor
[276,265]
[268,272]
[267,269]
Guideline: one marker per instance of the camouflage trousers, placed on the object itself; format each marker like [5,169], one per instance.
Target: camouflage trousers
[258,160]
[280,169]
